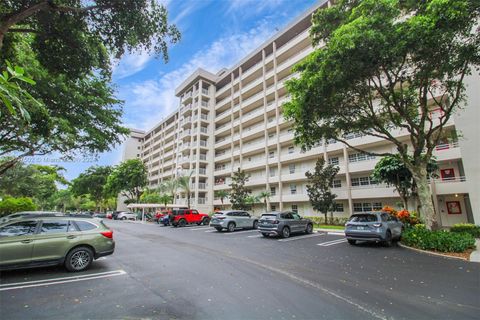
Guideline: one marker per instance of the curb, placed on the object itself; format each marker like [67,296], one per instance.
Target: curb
[433,253]
[329,230]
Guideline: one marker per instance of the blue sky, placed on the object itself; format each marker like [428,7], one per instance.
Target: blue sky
[215,34]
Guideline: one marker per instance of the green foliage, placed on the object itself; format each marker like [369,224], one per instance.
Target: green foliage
[442,241]
[373,71]
[165,199]
[72,109]
[336,221]
[92,183]
[10,205]
[183,183]
[128,178]
[467,228]
[239,193]
[319,184]
[222,194]
[169,187]
[250,200]
[150,196]
[265,195]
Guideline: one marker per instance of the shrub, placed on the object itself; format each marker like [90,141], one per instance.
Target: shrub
[337,221]
[468,228]
[442,241]
[11,205]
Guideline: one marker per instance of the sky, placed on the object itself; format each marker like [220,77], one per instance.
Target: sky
[216,34]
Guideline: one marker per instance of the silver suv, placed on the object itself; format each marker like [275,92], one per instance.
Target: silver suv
[373,226]
[232,220]
[283,224]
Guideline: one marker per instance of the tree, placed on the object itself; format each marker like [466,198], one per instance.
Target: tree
[76,111]
[250,200]
[184,184]
[239,193]
[11,205]
[128,179]
[165,199]
[92,182]
[150,196]
[392,171]
[222,194]
[265,195]
[382,66]
[38,182]
[171,187]
[320,184]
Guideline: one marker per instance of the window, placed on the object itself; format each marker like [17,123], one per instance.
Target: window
[84,225]
[338,207]
[295,208]
[18,229]
[363,181]
[286,215]
[291,168]
[271,119]
[293,189]
[363,218]
[333,160]
[273,172]
[273,191]
[366,206]
[377,206]
[291,149]
[356,157]
[273,207]
[271,154]
[337,183]
[357,207]
[59,226]
[271,135]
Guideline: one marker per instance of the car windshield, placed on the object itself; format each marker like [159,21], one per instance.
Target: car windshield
[269,216]
[363,218]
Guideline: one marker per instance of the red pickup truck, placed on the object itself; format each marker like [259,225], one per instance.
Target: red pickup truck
[182,217]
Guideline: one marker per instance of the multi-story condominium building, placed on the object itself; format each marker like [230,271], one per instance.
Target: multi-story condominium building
[233,119]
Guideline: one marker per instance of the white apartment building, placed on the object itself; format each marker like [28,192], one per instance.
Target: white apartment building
[233,119]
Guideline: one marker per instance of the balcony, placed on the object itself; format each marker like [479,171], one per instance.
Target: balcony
[451,185]
[205,91]
[447,151]
[373,191]
[202,171]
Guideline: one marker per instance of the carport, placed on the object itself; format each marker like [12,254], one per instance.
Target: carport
[143,206]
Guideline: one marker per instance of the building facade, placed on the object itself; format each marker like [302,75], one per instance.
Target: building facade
[233,119]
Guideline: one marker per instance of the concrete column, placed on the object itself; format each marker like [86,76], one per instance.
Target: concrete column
[349,183]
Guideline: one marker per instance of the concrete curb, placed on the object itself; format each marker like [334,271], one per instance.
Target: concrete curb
[475,256]
[433,253]
[330,230]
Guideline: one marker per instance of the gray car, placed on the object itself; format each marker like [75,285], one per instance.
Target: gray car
[283,224]
[232,220]
[373,226]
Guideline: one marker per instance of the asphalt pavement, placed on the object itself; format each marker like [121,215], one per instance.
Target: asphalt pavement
[196,272]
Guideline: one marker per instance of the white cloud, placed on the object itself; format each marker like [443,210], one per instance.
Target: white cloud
[131,63]
[250,7]
[147,102]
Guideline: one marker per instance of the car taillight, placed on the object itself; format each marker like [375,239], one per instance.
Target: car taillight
[377,225]
[275,222]
[107,234]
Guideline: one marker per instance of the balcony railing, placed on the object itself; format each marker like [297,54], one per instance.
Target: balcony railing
[446,146]
[451,179]
[202,171]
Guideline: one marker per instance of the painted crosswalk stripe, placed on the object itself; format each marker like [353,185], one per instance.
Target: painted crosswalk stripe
[301,237]
[331,243]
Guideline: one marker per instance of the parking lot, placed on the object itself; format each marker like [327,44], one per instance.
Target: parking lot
[196,272]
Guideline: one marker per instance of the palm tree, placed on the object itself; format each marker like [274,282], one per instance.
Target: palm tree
[165,198]
[171,187]
[222,194]
[265,195]
[184,184]
[251,200]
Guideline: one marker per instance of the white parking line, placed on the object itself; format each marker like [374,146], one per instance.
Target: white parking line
[255,236]
[49,282]
[200,228]
[301,237]
[339,233]
[331,243]
[211,231]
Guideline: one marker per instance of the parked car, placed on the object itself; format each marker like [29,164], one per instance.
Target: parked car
[100,215]
[126,216]
[283,224]
[159,215]
[109,215]
[182,217]
[115,214]
[373,226]
[232,220]
[21,214]
[165,220]
[53,240]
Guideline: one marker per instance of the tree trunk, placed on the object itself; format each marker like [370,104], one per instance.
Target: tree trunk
[426,208]
[326,218]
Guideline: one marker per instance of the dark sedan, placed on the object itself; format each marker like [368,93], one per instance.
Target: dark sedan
[283,224]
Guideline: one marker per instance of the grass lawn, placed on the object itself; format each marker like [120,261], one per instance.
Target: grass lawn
[328,226]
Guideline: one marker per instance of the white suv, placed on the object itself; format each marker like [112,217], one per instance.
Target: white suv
[127,215]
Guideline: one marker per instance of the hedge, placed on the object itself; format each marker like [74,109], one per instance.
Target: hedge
[443,241]
[468,228]
[11,205]
[337,221]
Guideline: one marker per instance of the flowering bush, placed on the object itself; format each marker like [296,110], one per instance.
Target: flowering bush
[408,218]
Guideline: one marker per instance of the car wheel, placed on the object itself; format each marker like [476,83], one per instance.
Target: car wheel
[231,227]
[285,232]
[265,234]
[352,242]
[79,259]
[255,224]
[388,239]
[205,221]
[123,218]
[199,223]
[309,228]
[182,223]
[219,229]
